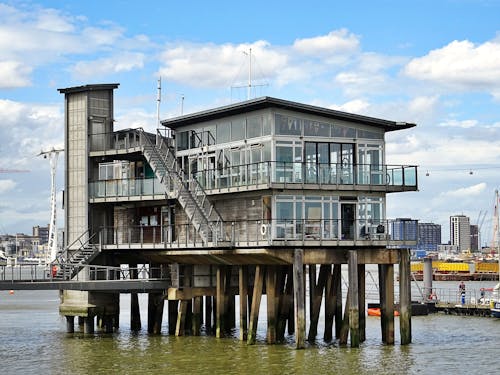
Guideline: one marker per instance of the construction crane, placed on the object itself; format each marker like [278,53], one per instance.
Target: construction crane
[52,155]
[3,170]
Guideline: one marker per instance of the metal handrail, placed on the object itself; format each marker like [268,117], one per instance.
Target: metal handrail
[241,232]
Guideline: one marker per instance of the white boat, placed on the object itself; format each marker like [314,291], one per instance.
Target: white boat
[495,298]
[495,301]
[3,259]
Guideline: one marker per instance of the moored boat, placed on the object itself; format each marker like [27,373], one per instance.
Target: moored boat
[495,302]
[3,259]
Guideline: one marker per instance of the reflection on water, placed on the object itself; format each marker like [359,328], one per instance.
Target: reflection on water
[33,341]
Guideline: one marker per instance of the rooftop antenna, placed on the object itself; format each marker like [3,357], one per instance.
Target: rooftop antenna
[158,100]
[52,155]
[182,104]
[249,89]
[249,84]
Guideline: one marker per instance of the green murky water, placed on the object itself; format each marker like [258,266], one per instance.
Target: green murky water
[33,341]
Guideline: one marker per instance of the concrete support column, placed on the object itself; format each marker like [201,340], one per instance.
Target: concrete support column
[172,316]
[208,314]
[405,297]
[362,302]
[243,289]
[88,325]
[220,309]
[135,312]
[337,290]
[386,278]
[427,277]
[70,324]
[254,310]
[299,298]
[272,307]
[197,315]
[354,300]
[329,305]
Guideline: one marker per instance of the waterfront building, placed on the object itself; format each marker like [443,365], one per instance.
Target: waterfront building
[42,233]
[429,236]
[460,232]
[232,197]
[474,238]
[405,228]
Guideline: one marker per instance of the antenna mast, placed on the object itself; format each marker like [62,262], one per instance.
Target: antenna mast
[249,91]
[158,100]
[52,155]
[249,84]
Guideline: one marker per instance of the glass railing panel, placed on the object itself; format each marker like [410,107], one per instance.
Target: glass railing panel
[396,176]
[302,172]
[410,175]
[126,188]
[392,232]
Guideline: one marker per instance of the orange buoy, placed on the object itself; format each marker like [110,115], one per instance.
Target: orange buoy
[375,311]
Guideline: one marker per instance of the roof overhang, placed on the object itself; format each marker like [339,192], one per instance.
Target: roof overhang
[270,102]
[84,88]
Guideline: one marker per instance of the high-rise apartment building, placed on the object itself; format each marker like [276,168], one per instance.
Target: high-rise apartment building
[429,236]
[460,232]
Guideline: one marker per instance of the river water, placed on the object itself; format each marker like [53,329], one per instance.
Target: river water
[33,341]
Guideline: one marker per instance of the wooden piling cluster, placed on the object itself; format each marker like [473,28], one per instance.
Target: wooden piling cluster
[193,310]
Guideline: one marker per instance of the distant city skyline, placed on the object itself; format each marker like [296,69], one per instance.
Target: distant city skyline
[387,61]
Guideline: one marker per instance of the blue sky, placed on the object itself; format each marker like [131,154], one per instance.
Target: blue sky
[435,63]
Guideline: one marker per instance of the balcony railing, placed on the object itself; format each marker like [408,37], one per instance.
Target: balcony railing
[268,233]
[306,173]
[126,188]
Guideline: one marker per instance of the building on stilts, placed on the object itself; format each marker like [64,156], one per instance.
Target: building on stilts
[243,201]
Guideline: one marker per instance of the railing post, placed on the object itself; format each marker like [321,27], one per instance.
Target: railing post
[233,234]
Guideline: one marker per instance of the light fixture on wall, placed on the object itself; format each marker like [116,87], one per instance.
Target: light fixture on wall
[427,173]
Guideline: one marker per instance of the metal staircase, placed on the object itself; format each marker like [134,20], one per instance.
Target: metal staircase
[200,212]
[76,255]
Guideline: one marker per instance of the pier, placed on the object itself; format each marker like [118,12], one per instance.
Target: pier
[266,198]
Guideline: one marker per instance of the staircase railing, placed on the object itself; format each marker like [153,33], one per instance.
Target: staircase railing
[72,259]
[200,212]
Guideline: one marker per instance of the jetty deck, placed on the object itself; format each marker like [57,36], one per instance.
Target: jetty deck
[472,309]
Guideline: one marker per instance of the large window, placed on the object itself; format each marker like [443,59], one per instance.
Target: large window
[311,217]
[288,165]
[287,125]
[329,163]
[254,127]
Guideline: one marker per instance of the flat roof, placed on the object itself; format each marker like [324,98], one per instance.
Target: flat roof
[101,86]
[270,102]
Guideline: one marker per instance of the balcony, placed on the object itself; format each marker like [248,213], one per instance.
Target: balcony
[269,233]
[116,143]
[126,190]
[302,175]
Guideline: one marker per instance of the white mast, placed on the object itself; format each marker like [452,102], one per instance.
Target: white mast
[158,100]
[53,154]
[249,92]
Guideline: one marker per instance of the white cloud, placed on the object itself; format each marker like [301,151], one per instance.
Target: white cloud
[460,64]
[464,124]
[52,20]
[336,42]
[211,65]
[124,62]
[358,106]
[6,185]
[27,128]
[14,74]
[34,37]
[469,191]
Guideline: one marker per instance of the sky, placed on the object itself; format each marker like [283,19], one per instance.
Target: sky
[433,63]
